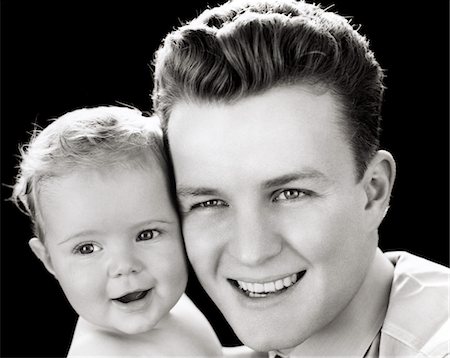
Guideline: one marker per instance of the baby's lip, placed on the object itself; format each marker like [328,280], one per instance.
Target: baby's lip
[132,296]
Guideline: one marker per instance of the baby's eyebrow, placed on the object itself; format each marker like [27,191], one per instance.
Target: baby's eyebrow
[79,235]
[188,191]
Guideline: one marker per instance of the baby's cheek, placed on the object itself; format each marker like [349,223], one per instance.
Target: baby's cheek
[83,290]
[169,266]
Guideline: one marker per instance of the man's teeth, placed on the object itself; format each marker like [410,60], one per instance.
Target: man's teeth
[268,287]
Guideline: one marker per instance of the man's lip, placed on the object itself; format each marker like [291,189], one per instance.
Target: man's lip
[266,279]
[262,288]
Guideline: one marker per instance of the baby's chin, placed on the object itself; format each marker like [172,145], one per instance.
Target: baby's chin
[130,326]
[133,328]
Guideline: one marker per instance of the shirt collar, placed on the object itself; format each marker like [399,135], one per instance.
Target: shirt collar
[352,332]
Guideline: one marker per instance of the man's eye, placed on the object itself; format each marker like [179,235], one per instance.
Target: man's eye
[147,235]
[210,204]
[289,194]
[86,248]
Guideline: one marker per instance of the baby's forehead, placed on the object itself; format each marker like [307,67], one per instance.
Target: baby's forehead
[118,170]
[142,189]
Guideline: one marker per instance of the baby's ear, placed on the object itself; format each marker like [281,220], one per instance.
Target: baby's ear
[41,252]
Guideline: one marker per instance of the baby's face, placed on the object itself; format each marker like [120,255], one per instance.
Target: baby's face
[115,246]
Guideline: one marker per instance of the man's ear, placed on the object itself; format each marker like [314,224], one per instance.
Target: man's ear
[41,252]
[378,182]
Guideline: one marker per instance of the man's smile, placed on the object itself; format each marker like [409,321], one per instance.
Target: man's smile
[263,289]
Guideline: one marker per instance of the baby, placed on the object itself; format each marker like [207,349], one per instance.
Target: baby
[96,184]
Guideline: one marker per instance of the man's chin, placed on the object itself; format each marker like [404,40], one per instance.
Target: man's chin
[268,341]
[265,346]
[265,330]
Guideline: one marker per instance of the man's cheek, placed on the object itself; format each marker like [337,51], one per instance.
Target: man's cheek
[195,240]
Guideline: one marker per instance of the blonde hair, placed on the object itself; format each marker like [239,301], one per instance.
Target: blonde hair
[87,138]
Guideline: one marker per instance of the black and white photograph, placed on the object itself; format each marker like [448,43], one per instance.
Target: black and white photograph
[251,178]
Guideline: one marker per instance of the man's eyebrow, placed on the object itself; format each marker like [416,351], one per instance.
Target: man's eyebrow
[309,174]
[185,191]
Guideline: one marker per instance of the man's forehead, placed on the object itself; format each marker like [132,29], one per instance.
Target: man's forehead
[270,136]
[299,101]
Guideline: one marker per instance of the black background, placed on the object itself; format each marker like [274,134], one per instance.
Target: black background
[59,56]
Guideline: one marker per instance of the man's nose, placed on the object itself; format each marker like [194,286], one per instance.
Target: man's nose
[124,263]
[254,240]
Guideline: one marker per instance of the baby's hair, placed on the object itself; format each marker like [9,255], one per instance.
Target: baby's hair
[88,138]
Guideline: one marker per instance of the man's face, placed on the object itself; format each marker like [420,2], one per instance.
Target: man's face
[273,216]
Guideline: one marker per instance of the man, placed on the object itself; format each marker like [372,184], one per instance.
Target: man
[271,112]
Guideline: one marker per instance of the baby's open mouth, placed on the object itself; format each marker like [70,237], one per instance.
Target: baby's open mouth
[132,296]
[260,289]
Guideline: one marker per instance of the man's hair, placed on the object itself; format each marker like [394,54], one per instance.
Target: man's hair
[90,138]
[243,48]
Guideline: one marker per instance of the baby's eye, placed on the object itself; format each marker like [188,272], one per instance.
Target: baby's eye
[210,204]
[86,248]
[289,194]
[147,235]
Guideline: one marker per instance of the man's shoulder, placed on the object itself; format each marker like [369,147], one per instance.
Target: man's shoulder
[418,311]
[414,266]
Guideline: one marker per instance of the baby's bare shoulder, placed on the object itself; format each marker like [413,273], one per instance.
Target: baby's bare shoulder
[90,341]
[183,332]
[189,328]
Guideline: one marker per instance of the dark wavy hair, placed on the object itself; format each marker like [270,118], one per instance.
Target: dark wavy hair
[243,48]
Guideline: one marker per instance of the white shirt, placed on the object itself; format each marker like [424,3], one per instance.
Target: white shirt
[402,310]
